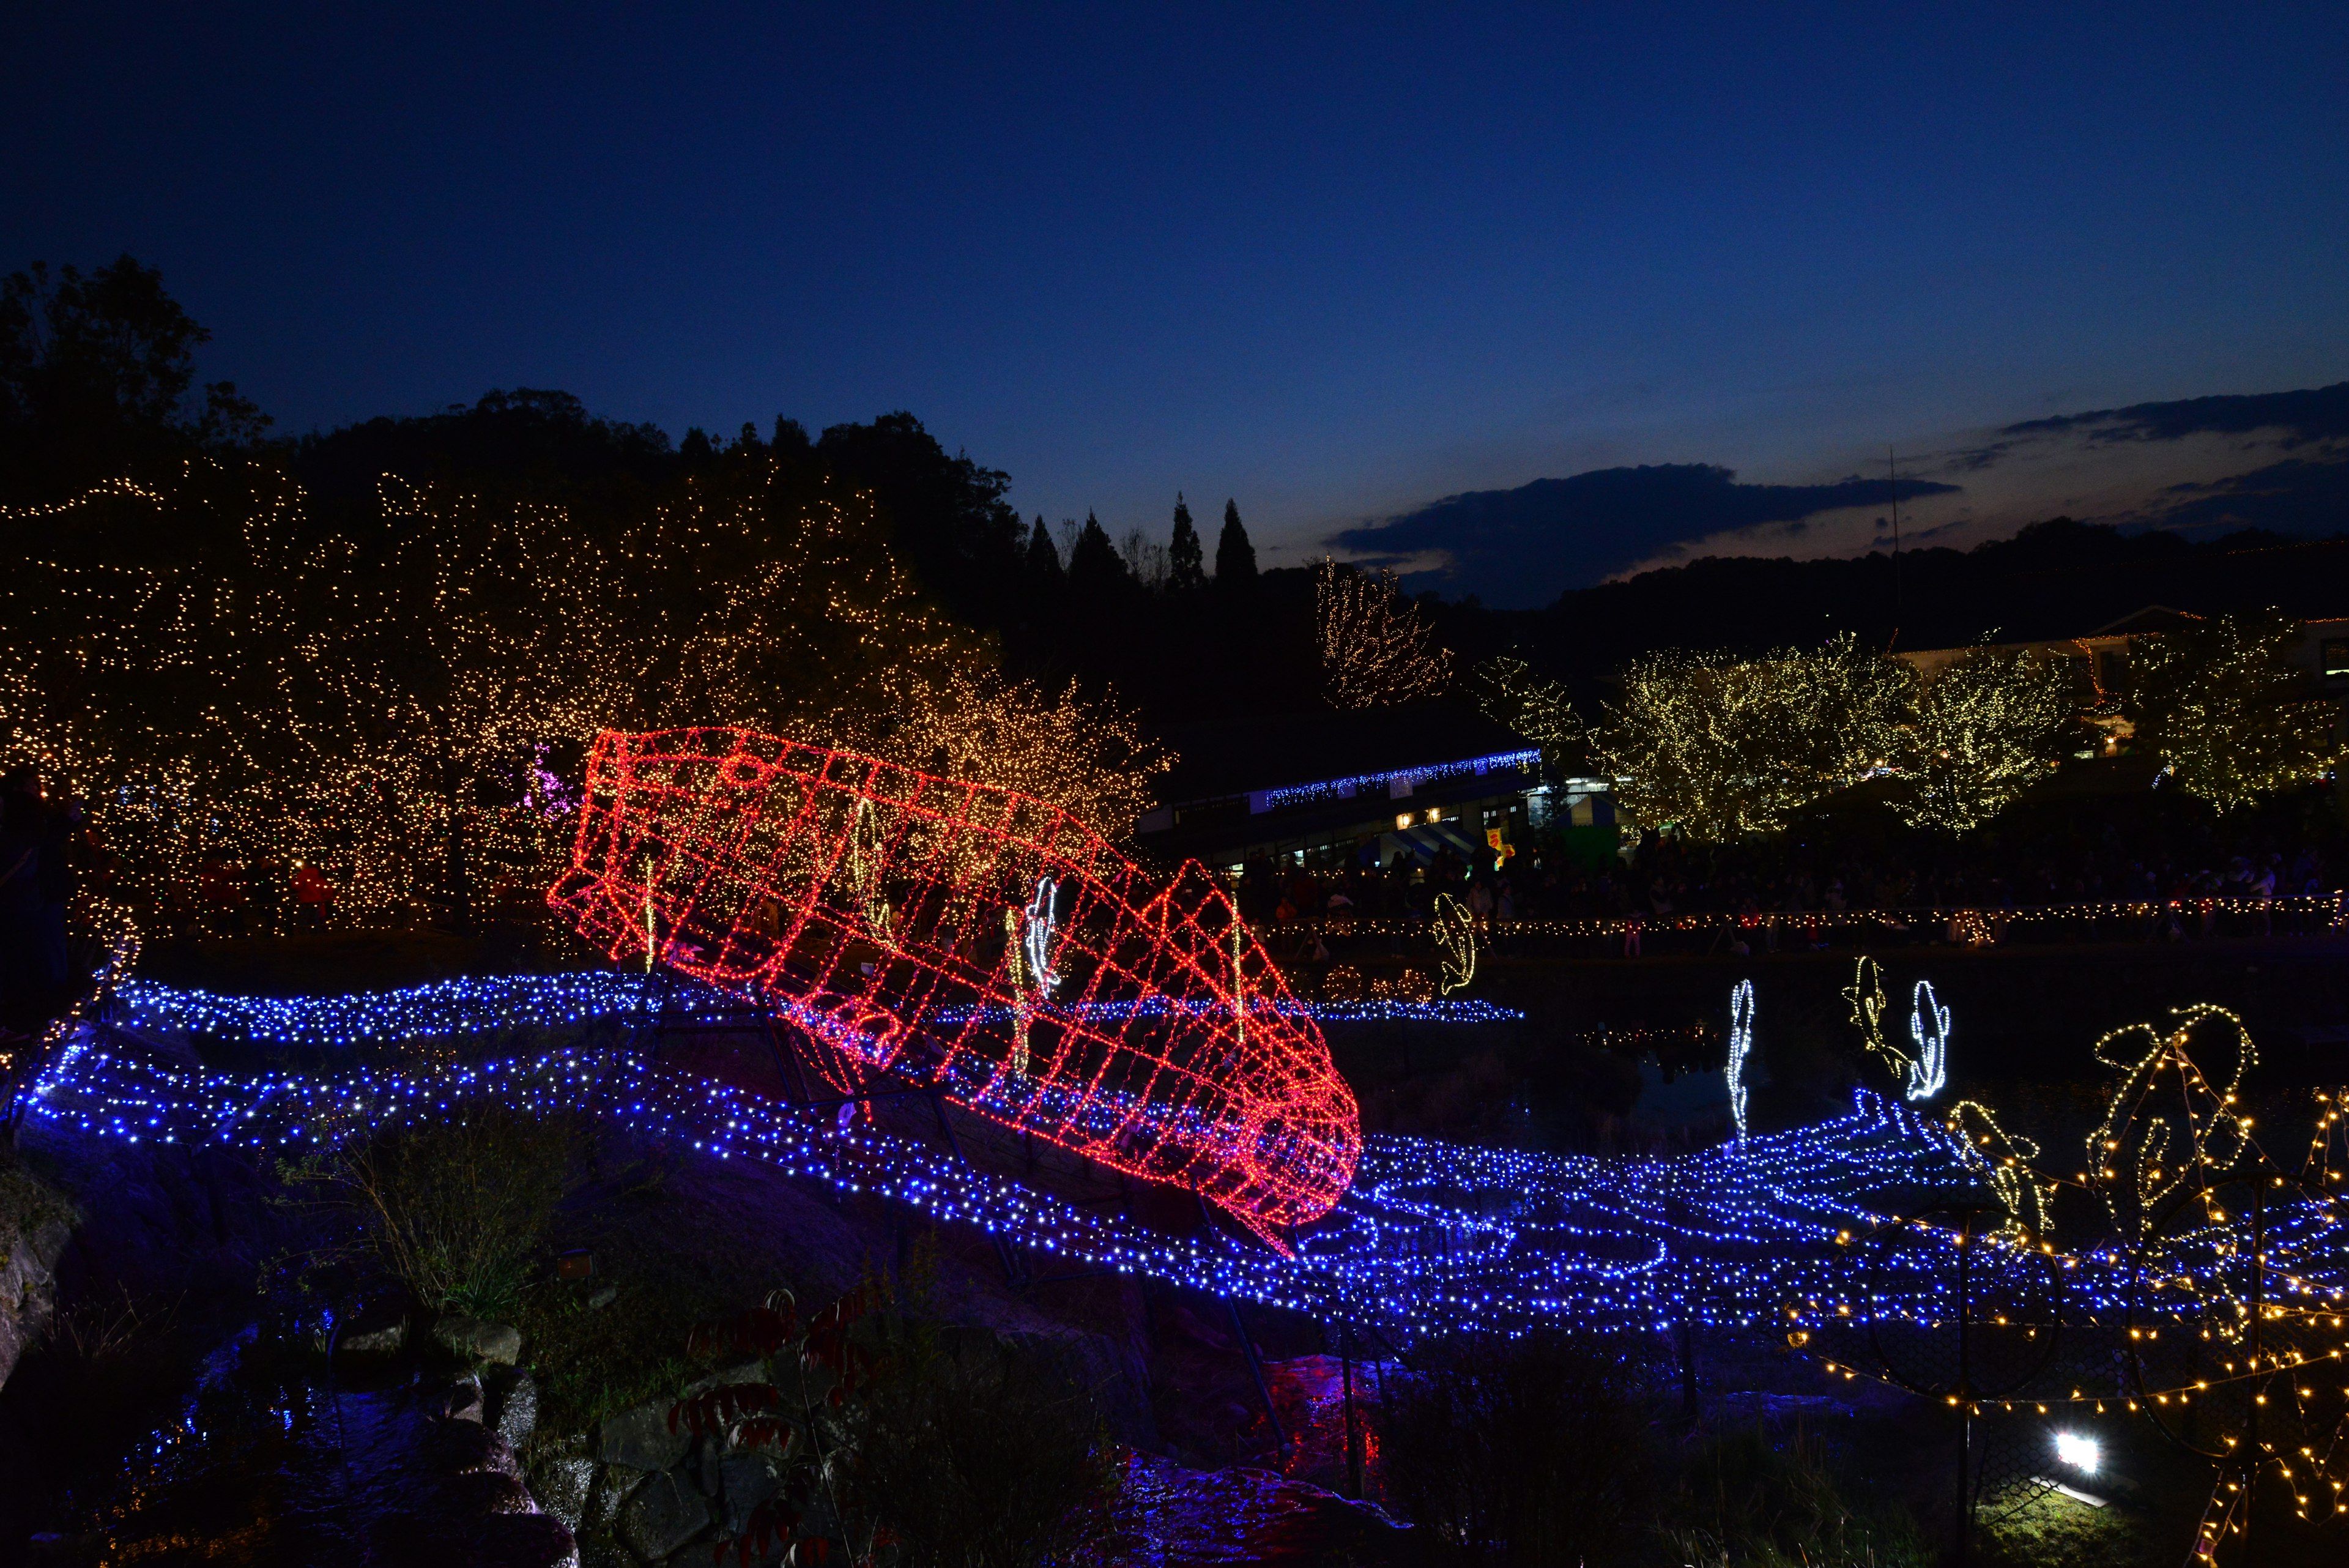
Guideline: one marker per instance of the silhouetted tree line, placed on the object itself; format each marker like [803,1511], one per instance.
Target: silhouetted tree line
[2059,578]
[97,382]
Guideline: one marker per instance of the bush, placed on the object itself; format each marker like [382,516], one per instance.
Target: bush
[1526,1451]
[982,1461]
[457,1210]
[1750,1497]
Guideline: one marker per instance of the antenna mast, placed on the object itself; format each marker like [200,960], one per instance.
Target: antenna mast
[1893,470]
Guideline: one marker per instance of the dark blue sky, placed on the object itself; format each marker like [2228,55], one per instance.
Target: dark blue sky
[1334,261]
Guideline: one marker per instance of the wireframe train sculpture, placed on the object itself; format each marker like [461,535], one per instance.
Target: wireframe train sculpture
[973,941]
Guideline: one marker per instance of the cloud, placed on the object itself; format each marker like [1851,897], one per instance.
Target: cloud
[2295,496]
[1522,547]
[2314,413]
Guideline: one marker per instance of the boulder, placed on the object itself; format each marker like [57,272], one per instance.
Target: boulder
[477,1341]
[521,1541]
[378,1327]
[598,1548]
[36,1222]
[462,1447]
[640,1440]
[610,1489]
[487,1491]
[561,1482]
[378,1341]
[747,1479]
[666,1513]
[463,1402]
[517,1409]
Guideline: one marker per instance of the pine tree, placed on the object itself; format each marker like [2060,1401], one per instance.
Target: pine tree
[1094,565]
[1186,557]
[1234,556]
[1043,556]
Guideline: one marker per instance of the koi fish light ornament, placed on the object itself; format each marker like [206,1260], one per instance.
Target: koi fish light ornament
[973,941]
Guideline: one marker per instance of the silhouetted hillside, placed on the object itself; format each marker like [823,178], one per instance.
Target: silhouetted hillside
[2059,578]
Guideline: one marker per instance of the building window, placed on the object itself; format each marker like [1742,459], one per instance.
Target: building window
[2336,658]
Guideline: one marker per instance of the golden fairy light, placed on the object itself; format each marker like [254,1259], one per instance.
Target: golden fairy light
[1376,647]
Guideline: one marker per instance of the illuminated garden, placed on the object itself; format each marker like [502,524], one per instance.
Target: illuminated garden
[576,995]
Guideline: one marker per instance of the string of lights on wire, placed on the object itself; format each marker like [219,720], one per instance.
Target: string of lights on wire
[2303,907]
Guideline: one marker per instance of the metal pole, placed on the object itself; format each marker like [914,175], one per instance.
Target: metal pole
[1002,1253]
[1264,1389]
[2251,1461]
[1346,1372]
[1688,1366]
[1965,1387]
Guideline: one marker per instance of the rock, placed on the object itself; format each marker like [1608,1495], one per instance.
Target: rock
[487,1491]
[744,1372]
[518,1409]
[746,1480]
[599,1549]
[601,1296]
[561,1482]
[463,1401]
[522,1541]
[477,1341]
[378,1327]
[640,1438]
[381,1341]
[463,1448]
[613,1484]
[666,1513]
[36,1222]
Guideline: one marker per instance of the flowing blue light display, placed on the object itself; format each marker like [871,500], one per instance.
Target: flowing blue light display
[1433,1236]
[479,1006]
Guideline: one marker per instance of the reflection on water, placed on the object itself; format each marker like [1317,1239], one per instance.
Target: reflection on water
[1170,1517]
[265,1469]
[262,1467]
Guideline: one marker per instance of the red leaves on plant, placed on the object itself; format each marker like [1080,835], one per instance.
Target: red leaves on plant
[828,1343]
[762,1331]
[771,1525]
[766,1431]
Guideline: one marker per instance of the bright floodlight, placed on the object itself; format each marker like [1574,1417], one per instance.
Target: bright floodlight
[2080,1453]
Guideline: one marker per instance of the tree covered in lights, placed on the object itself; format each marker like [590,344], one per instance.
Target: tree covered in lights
[1092,758]
[403,697]
[1980,731]
[2223,705]
[1510,693]
[1376,647]
[1725,747]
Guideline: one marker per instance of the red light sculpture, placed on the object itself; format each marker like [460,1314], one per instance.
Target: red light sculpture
[975,941]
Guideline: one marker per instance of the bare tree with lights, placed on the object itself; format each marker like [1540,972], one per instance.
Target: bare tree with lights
[1376,647]
[1509,692]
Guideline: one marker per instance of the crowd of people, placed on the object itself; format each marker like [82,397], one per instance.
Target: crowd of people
[2104,883]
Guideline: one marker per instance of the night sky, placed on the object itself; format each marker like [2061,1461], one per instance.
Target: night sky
[1336,263]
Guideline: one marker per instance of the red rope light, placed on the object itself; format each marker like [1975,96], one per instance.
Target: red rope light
[974,940]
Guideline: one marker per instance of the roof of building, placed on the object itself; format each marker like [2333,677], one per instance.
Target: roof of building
[1271,752]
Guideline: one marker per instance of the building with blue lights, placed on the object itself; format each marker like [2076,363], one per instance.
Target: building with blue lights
[1325,787]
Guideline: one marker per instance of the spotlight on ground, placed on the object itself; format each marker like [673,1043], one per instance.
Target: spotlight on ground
[2081,1453]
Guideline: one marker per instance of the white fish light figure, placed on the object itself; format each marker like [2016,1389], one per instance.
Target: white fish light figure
[1929,1025]
[1741,1045]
